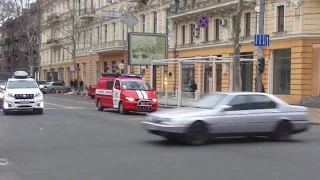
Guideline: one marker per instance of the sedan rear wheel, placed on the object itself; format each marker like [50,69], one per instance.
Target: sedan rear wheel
[282,131]
[197,133]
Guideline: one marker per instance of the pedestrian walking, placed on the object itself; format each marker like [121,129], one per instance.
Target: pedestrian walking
[81,85]
[75,84]
[71,84]
[193,88]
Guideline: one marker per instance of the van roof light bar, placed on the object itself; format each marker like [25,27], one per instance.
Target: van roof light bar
[122,75]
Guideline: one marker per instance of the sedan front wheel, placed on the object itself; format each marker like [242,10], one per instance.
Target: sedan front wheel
[197,133]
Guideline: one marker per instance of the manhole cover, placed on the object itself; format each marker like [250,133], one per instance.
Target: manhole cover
[3,162]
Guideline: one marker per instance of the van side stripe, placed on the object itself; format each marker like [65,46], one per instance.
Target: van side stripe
[103,92]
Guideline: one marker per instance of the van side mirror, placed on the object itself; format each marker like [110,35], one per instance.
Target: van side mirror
[225,108]
[41,86]
[153,89]
[117,87]
[2,87]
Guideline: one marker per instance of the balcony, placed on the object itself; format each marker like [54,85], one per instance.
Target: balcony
[111,46]
[53,18]
[192,7]
[6,53]
[87,13]
[53,43]
[82,52]
[15,52]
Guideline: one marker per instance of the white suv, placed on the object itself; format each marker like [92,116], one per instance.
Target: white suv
[22,93]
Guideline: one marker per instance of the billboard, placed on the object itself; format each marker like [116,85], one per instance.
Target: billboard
[143,48]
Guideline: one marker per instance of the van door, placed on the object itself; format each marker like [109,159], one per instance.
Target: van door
[116,94]
[108,97]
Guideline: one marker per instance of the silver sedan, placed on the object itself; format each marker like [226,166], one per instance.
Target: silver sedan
[230,114]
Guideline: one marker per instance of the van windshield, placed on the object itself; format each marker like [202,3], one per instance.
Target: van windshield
[136,85]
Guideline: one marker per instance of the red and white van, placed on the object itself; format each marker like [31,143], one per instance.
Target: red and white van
[125,93]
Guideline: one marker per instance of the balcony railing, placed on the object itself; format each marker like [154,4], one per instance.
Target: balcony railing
[6,53]
[82,52]
[87,13]
[118,45]
[193,6]
[53,18]
[53,42]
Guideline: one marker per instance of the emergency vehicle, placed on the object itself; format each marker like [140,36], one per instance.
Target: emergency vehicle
[125,92]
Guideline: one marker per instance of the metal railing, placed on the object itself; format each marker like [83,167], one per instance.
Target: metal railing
[109,45]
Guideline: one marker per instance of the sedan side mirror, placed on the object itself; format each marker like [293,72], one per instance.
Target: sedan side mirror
[41,86]
[225,108]
[3,87]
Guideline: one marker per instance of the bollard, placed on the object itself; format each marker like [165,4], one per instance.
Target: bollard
[166,98]
[57,92]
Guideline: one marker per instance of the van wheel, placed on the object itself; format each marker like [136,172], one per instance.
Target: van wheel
[121,109]
[99,106]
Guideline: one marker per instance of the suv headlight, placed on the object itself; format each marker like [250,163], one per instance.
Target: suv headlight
[38,94]
[10,95]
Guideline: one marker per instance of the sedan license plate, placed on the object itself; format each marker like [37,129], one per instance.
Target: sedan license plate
[24,102]
[153,127]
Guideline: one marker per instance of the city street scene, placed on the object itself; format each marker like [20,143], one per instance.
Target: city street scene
[159,89]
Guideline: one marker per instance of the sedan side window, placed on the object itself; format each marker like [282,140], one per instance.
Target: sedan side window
[239,102]
[262,102]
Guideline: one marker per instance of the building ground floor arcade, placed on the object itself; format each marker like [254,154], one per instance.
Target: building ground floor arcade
[292,72]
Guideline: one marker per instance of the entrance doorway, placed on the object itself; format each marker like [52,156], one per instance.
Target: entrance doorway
[246,71]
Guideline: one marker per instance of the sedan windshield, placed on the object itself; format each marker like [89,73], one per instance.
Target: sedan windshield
[22,84]
[209,101]
[136,85]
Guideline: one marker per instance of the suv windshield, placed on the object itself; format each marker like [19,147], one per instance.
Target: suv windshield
[136,85]
[209,101]
[22,84]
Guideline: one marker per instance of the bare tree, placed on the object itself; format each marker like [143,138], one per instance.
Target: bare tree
[237,84]
[71,28]
[7,9]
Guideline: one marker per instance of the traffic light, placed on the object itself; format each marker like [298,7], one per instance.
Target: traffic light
[261,63]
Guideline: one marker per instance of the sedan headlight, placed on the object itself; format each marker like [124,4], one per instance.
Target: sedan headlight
[10,95]
[130,99]
[38,94]
[154,100]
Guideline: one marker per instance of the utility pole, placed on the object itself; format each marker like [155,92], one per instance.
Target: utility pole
[237,85]
[260,48]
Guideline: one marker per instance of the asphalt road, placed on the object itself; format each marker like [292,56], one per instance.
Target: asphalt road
[73,141]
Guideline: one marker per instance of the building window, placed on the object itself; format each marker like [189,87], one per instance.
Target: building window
[105,67]
[114,30]
[84,38]
[280,18]
[282,71]
[105,33]
[192,28]
[155,22]
[114,66]
[183,34]
[143,23]
[206,34]
[247,24]
[216,29]
[122,70]
[98,34]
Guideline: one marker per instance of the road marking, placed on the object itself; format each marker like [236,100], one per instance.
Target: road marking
[68,107]
[70,100]
[50,108]
[50,123]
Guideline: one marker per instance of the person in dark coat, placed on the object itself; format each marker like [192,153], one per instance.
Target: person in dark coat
[193,88]
[71,84]
[75,84]
[81,85]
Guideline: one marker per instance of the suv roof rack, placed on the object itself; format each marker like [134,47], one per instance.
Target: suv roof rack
[20,75]
[121,75]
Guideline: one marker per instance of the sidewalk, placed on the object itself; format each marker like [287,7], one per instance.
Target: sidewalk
[314,115]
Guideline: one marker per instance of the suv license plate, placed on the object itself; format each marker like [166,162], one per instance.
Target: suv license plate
[24,102]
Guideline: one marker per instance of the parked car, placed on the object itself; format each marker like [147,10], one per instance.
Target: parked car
[52,87]
[42,83]
[230,114]
[92,91]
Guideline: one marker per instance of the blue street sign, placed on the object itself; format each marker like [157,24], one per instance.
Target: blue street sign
[203,21]
[262,40]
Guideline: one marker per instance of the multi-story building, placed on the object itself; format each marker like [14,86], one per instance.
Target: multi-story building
[108,37]
[19,42]
[294,50]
